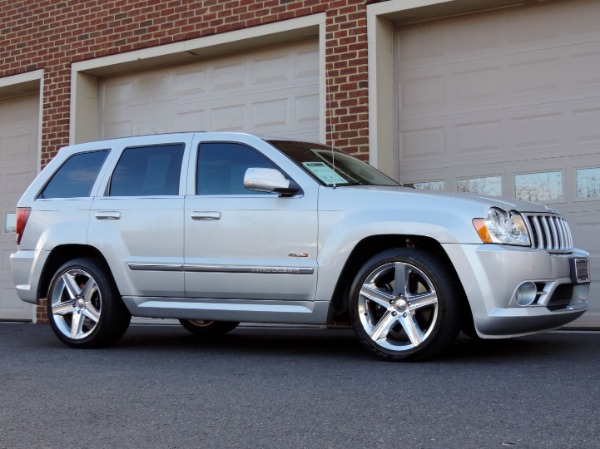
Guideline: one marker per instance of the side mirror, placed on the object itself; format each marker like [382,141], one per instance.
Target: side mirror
[269,180]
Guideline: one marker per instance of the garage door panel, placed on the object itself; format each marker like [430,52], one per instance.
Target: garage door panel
[584,68]
[534,25]
[20,138]
[585,226]
[582,21]
[18,151]
[460,38]
[15,182]
[273,91]
[306,111]
[479,137]
[537,130]
[270,69]
[269,113]
[489,85]
[535,74]
[503,134]
[583,129]
[423,141]
[229,77]
[476,82]
[306,66]
[420,90]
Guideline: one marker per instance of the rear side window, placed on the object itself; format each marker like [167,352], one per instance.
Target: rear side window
[148,171]
[76,177]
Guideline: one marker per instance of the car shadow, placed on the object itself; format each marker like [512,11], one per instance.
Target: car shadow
[340,344]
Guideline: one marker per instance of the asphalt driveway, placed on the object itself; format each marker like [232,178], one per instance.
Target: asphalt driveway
[263,387]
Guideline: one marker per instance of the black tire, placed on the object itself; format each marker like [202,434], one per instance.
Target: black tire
[208,328]
[85,309]
[418,317]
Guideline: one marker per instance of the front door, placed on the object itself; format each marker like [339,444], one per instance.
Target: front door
[242,244]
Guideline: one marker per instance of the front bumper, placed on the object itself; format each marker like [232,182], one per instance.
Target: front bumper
[492,274]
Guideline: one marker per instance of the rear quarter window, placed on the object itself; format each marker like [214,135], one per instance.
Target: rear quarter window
[75,178]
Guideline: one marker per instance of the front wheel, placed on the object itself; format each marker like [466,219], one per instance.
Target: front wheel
[405,305]
[206,327]
[84,306]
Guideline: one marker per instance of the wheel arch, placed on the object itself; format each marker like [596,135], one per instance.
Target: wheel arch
[369,247]
[63,253]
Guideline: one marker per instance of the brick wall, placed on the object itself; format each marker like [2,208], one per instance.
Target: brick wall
[51,35]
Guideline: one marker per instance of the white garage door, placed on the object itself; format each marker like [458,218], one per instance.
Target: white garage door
[18,153]
[508,103]
[269,92]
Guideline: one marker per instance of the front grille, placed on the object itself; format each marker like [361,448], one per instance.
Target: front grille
[549,232]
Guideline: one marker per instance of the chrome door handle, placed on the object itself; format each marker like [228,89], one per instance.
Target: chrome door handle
[108,215]
[206,215]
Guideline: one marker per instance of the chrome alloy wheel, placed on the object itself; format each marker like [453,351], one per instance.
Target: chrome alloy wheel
[76,304]
[398,306]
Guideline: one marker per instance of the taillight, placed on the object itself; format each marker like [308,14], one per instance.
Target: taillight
[22,217]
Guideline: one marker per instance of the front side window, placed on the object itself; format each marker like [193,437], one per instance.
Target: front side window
[76,177]
[222,166]
[148,171]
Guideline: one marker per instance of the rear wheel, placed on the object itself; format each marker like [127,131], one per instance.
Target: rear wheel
[84,307]
[405,304]
[206,327]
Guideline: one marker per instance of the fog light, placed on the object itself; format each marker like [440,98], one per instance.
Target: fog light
[526,294]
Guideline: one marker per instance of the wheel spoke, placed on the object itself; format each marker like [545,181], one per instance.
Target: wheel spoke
[91,312]
[63,308]
[401,271]
[76,325]
[71,285]
[412,329]
[423,300]
[384,325]
[372,293]
[89,289]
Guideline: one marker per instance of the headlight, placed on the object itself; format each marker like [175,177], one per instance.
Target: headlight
[502,227]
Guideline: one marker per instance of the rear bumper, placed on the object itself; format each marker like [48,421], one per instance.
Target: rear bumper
[492,275]
[26,272]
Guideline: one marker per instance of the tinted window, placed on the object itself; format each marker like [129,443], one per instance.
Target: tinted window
[145,171]
[76,177]
[222,166]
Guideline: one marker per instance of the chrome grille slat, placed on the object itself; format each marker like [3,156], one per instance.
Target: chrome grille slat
[556,243]
[549,232]
[538,236]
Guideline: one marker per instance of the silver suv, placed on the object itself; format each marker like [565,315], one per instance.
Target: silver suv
[218,228]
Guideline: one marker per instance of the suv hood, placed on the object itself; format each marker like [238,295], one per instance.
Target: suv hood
[421,199]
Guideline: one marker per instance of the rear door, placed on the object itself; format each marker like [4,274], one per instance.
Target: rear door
[138,222]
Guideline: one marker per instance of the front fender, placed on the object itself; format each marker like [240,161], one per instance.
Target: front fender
[341,232]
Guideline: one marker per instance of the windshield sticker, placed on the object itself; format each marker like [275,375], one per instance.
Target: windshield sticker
[324,172]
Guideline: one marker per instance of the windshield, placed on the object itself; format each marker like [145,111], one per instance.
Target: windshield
[331,167]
